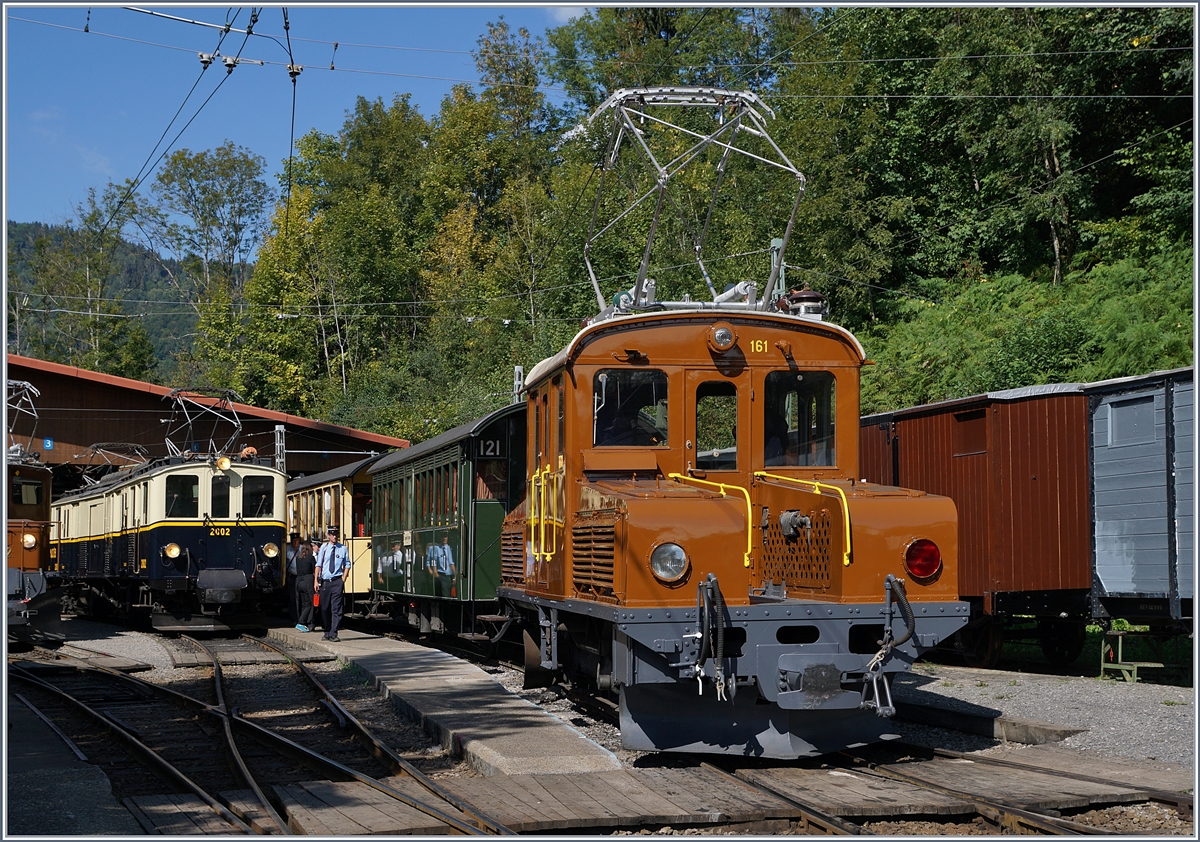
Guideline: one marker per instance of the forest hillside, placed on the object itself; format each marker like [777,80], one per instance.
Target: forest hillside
[996,197]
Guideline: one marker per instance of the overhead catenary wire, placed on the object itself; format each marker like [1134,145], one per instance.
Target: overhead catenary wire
[554,89]
[137,181]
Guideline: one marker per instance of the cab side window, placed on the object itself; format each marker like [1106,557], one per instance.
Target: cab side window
[630,408]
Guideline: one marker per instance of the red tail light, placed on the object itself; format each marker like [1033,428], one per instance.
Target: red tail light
[923,559]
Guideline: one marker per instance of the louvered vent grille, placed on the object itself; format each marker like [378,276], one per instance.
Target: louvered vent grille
[802,562]
[593,548]
[512,554]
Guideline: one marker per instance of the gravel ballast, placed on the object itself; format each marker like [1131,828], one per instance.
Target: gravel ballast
[1141,721]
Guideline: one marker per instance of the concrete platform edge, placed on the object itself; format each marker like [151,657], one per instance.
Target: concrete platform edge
[477,753]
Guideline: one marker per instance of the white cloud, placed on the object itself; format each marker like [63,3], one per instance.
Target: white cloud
[564,14]
[94,161]
[46,114]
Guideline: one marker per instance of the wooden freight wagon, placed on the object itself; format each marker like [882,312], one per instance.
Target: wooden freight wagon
[1015,463]
[1142,495]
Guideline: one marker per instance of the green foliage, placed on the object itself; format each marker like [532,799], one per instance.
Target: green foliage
[995,197]
[1107,321]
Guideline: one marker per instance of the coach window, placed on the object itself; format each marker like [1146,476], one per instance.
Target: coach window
[798,413]
[258,497]
[629,408]
[183,495]
[716,426]
[220,497]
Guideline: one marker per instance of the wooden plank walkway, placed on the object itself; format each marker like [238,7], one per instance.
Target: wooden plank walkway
[178,815]
[1022,788]
[330,808]
[656,797]
[595,801]
[849,794]
[1135,773]
[184,660]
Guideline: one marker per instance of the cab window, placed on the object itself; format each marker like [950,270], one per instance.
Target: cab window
[220,496]
[183,495]
[629,408]
[258,497]
[798,416]
[716,426]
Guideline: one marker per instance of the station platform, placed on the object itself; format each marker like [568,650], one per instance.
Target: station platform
[466,709]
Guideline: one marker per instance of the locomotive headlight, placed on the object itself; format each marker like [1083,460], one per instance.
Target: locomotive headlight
[722,337]
[29,540]
[669,562]
[171,551]
[923,559]
[270,550]
[223,463]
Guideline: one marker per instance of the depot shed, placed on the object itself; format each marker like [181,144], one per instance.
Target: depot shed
[1142,492]
[1015,463]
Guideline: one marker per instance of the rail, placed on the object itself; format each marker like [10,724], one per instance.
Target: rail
[1010,819]
[395,763]
[149,755]
[231,748]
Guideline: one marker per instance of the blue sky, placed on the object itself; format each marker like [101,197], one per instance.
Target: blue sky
[82,109]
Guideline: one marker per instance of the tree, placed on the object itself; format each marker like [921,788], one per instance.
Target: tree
[67,313]
[211,209]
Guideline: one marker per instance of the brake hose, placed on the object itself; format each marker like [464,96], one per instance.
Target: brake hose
[910,622]
[719,606]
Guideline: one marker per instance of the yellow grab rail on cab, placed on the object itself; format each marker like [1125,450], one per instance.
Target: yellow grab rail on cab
[819,486]
[721,486]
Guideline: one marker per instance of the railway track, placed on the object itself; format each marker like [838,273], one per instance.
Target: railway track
[231,746]
[314,738]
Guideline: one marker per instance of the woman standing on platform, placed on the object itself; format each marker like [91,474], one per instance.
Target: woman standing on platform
[305,587]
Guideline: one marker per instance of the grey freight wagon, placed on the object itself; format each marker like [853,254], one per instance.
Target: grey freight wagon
[1142,497]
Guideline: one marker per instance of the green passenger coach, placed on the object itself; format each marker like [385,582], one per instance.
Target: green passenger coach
[437,512]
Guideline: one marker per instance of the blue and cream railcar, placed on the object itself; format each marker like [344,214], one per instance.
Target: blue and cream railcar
[194,543]
[338,498]
[447,498]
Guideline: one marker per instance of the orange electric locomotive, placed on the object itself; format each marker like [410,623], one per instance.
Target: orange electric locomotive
[694,538]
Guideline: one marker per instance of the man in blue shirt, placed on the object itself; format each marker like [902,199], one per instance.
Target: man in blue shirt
[332,570]
[440,561]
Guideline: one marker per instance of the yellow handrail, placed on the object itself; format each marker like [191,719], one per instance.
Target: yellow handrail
[540,477]
[721,486]
[819,486]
